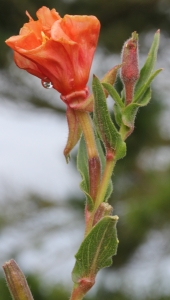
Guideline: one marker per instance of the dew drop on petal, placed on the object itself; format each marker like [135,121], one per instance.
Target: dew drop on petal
[46,83]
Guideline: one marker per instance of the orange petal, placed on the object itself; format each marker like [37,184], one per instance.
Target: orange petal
[23,42]
[28,65]
[47,18]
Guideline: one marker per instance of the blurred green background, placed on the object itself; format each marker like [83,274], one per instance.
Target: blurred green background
[42,229]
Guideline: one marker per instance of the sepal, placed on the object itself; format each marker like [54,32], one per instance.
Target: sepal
[74,132]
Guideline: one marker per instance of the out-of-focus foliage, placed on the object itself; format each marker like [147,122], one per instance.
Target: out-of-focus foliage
[60,292]
[39,292]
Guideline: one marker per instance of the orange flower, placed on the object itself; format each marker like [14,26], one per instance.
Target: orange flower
[58,50]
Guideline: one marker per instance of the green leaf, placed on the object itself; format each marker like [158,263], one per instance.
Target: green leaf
[120,150]
[129,114]
[140,92]
[103,162]
[82,166]
[118,114]
[130,111]
[114,94]
[145,99]
[105,127]
[97,249]
[150,62]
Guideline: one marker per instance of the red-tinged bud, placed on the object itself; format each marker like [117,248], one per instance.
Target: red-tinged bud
[16,281]
[130,69]
[104,209]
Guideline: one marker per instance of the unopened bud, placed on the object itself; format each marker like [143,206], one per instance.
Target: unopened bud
[16,281]
[130,69]
[103,210]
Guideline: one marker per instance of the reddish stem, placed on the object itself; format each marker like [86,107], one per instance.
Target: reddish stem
[129,87]
[81,288]
[94,175]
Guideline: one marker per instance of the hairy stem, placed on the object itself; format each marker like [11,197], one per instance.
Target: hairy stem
[81,288]
[110,163]
[93,157]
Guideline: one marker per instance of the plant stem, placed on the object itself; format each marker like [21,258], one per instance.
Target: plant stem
[110,163]
[87,128]
[81,288]
[77,294]
[93,157]
[129,87]
[125,131]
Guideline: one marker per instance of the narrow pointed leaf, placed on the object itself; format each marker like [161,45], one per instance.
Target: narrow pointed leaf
[150,62]
[82,166]
[129,113]
[140,92]
[105,127]
[114,94]
[97,249]
[117,114]
[103,162]
[146,97]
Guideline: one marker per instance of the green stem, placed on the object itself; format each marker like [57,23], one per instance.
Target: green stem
[125,131]
[87,128]
[110,163]
[93,157]
[104,182]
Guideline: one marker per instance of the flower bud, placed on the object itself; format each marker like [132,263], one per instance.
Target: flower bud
[16,281]
[130,69]
[104,209]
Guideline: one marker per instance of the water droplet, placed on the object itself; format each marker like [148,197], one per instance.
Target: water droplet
[46,83]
